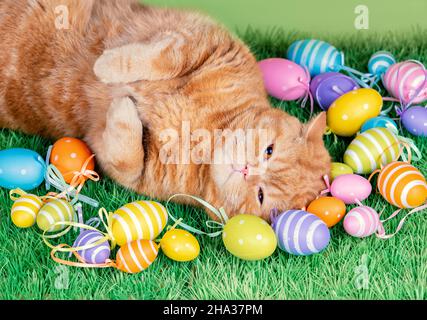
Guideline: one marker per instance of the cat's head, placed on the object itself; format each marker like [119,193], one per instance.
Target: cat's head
[285,171]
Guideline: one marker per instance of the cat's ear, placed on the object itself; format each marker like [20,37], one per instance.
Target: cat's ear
[316,128]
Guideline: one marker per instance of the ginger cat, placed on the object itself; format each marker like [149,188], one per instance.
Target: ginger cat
[119,75]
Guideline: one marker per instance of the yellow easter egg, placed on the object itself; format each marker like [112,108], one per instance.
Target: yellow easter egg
[25,210]
[249,237]
[339,169]
[140,220]
[55,211]
[349,112]
[180,245]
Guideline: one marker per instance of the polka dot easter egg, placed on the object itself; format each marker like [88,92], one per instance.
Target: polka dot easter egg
[140,220]
[380,62]
[331,210]
[414,120]
[249,237]
[406,81]
[380,122]
[96,255]
[372,149]
[349,112]
[25,210]
[21,168]
[351,188]
[136,256]
[402,185]
[180,245]
[301,233]
[284,79]
[339,169]
[55,211]
[361,222]
[328,87]
[69,155]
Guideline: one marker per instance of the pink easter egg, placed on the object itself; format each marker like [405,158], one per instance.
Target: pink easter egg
[351,188]
[405,79]
[284,79]
[361,222]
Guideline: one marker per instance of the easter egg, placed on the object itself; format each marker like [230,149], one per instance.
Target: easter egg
[25,210]
[414,120]
[350,111]
[380,62]
[284,79]
[301,233]
[402,185]
[249,237]
[95,255]
[69,155]
[55,211]
[331,210]
[21,168]
[136,256]
[180,245]
[361,222]
[316,55]
[380,122]
[140,220]
[406,81]
[372,149]
[351,188]
[328,87]
[338,169]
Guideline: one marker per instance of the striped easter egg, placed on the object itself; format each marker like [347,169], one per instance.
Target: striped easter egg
[301,233]
[141,220]
[361,222]
[55,211]
[372,149]
[316,55]
[95,255]
[402,185]
[403,80]
[380,62]
[136,256]
[25,210]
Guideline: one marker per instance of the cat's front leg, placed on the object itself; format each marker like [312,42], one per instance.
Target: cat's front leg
[118,147]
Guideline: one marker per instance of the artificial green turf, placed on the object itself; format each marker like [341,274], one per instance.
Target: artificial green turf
[397,268]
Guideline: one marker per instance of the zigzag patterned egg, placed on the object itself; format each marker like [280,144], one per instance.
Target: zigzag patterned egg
[95,255]
[402,185]
[301,233]
[371,149]
[136,256]
[361,222]
[55,211]
[25,210]
[141,220]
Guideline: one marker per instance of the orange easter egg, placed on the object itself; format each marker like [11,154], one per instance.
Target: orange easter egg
[330,209]
[136,256]
[402,185]
[69,155]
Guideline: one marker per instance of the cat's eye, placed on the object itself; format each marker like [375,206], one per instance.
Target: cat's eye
[260,196]
[269,152]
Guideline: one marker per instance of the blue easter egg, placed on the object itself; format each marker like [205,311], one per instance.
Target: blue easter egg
[380,62]
[96,255]
[380,122]
[301,233]
[316,55]
[21,168]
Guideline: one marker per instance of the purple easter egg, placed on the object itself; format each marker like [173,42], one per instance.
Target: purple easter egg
[414,120]
[284,79]
[96,255]
[328,87]
[301,233]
